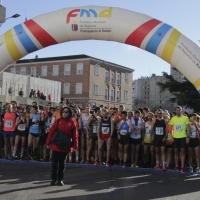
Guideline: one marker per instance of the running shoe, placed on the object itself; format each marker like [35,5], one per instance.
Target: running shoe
[50,159]
[108,164]
[157,167]
[87,162]
[164,168]
[197,170]
[44,160]
[136,166]
[124,165]
[182,170]
[5,158]
[120,164]
[92,160]
[70,161]
[28,158]
[12,158]
[100,163]
[77,161]
[96,163]
[115,163]
[190,169]
[175,168]
[132,165]
[82,162]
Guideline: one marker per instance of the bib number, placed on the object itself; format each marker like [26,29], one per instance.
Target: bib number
[105,130]
[8,124]
[94,129]
[159,131]
[122,132]
[21,127]
[178,127]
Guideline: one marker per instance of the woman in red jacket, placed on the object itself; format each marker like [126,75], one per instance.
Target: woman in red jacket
[66,125]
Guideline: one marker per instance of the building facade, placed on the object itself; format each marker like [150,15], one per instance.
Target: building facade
[84,79]
[146,92]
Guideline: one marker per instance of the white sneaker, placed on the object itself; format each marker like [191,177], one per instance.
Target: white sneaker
[197,170]
[190,169]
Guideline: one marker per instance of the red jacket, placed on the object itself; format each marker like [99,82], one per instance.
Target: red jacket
[68,127]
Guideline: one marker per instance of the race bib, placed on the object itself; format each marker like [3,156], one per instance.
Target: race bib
[94,129]
[21,127]
[105,130]
[147,130]
[193,132]
[159,131]
[8,123]
[178,127]
[122,132]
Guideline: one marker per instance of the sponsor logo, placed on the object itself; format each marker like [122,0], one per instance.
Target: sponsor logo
[88,13]
[74,27]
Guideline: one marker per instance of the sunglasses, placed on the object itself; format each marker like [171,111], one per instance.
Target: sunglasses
[65,112]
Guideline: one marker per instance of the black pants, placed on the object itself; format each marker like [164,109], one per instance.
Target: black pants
[58,171]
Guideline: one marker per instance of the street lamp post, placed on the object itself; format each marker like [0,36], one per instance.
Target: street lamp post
[14,16]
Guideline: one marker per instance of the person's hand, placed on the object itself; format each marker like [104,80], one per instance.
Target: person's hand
[48,147]
[151,141]
[172,139]
[87,136]
[187,140]
[164,139]
[142,142]
[119,137]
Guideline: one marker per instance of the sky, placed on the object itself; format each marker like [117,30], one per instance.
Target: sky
[184,15]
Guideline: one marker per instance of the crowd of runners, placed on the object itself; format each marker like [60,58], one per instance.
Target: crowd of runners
[113,137]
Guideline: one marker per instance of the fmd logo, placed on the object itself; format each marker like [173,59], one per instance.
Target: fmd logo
[88,13]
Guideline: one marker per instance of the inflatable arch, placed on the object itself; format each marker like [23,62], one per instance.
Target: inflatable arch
[103,23]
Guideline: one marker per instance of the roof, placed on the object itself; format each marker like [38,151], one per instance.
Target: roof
[71,57]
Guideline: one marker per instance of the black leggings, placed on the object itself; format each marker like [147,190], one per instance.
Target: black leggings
[58,171]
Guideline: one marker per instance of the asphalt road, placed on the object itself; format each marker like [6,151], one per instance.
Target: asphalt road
[25,181]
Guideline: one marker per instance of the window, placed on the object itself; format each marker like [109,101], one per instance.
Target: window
[118,79]
[79,68]
[13,70]
[113,78]
[106,94]
[78,88]
[125,94]
[33,71]
[44,71]
[67,69]
[107,76]
[23,70]
[126,77]
[96,70]
[112,95]
[55,70]
[118,96]
[66,89]
[96,89]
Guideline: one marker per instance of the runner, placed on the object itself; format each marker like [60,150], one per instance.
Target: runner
[49,120]
[84,118]
[194,142]
[114,146]
[91,129]
[160,140]
[180,123]
[21,132]
[35,122]
[104,132]
[76,120]
[9,120]
[147,145]
[135,137]
[124,130]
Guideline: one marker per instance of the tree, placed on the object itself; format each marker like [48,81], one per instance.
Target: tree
[185,94]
